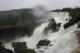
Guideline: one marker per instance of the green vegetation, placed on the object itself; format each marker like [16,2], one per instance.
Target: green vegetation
[20,47]
[73,12]
[17,22]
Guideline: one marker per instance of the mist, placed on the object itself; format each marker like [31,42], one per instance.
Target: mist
[50,4]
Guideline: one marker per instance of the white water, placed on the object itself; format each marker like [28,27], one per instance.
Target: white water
[63,41]
[31,41]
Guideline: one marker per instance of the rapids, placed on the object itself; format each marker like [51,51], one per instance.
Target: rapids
[63,41]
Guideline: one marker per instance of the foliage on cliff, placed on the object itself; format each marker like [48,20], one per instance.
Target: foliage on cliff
[17,22]
[73,12]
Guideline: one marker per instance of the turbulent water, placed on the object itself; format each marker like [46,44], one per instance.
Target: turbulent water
[62,41]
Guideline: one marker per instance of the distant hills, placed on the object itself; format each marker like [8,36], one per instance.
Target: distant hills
[17,22]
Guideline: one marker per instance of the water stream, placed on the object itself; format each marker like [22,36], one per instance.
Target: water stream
[63,40]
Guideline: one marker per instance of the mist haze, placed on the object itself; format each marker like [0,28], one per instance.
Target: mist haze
[50,4]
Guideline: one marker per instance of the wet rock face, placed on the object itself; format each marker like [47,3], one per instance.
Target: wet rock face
[19,44]
[44,42]
[78,35]
[20,47]
[58,26]
[4,50]
[53,26]
[79,24]
[72,21]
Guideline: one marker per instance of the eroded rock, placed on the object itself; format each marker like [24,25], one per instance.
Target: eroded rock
[53,26]
[44,42]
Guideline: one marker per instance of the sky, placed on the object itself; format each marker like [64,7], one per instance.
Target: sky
[49,4]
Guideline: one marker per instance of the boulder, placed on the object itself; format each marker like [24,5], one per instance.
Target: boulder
[44,42]
[53,26]
[20,47]
[79,24]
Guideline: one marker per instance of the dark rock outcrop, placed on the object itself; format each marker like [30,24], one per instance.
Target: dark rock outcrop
[41,51]
[44,42]
[78,35]
[20,47]
[79,24]
[74,13]
[53,26]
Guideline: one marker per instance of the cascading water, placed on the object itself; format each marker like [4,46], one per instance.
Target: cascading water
[31,41]
[63,40]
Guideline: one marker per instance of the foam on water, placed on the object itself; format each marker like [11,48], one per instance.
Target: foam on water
[63,41]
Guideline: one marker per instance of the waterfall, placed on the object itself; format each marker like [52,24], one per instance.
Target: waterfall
[36,37]
[38,33]
[64,41]
[31,41]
